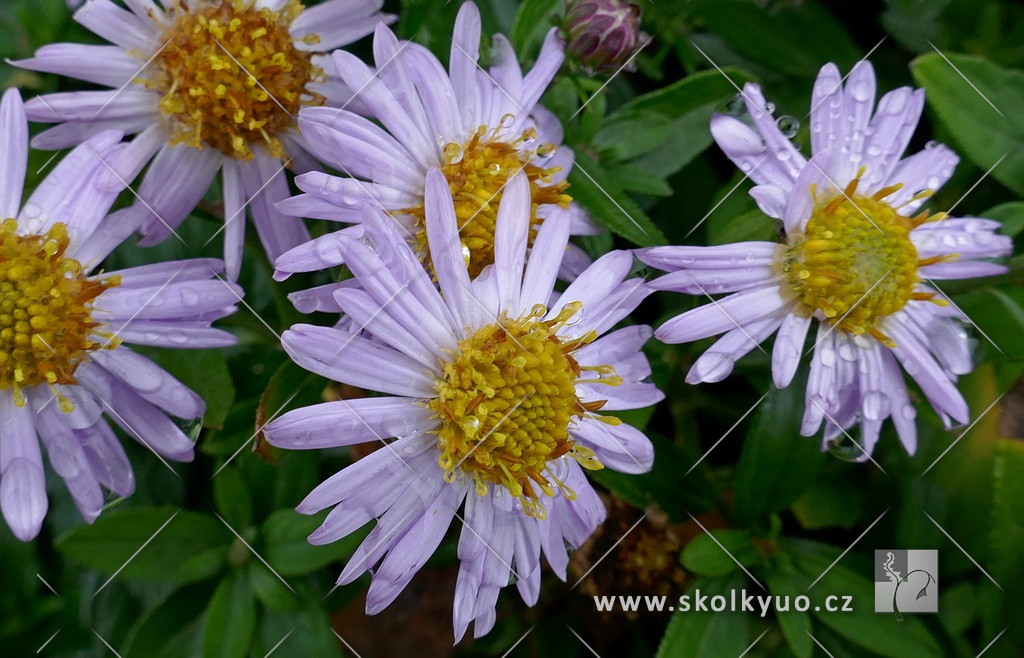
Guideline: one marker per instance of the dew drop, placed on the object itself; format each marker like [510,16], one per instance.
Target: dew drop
[861,91]
[844,449]
[788,125]
[931,144]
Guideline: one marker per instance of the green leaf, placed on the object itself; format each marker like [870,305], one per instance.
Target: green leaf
[600,194]
[531,24]
[706,557]
[206,373]
[288,551]
[290,387]
[166,621]
[795,40]
[795,624]
[231,496]
[230,619]
[687,105]
[1007,538]
[692,634]
[628,134]
[830,503]
[776,464]
[998,313]
[1010,214]
[182,546]
[749,226]
[985,115]
[880,633]
[269,589]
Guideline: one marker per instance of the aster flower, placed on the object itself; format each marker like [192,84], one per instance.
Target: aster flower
[63,362]
[857,262]
[208,86]
[492,390]
[477,127]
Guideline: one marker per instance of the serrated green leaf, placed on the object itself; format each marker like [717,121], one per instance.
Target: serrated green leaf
[230,618]
[182,546]
[594,189]
[984,112]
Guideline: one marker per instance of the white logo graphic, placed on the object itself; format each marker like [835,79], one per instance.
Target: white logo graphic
[906,581]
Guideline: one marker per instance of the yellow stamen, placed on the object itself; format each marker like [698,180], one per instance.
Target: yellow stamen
[503,426]
[45,311]
[477,173]
[230,75]
[854,263]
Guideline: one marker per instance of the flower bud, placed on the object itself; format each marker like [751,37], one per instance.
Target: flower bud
[602,35]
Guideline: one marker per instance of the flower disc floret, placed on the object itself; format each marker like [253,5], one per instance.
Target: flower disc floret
[231,75]
[45,309]
[477,173]
[505,401]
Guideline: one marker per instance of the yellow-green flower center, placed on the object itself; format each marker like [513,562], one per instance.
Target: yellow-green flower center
[231,76]
[855,263]
[45,309]
[505,401]
[477,173]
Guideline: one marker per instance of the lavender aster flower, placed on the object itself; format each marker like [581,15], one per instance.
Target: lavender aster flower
[492,390]
[856,261]
[63,363]
[208,86]
[478,127]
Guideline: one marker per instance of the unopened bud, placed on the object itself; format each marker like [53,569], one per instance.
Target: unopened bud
[602,35]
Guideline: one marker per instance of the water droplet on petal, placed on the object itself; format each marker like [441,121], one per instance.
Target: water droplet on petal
[788,126]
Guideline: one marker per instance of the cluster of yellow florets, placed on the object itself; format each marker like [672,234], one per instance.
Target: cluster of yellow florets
[231,76]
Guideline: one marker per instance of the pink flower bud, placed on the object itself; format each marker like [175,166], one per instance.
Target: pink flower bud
[603,34]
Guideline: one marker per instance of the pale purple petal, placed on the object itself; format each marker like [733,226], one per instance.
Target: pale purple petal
[736,310]
[13,152]
[22,481]
[789,345]
[737,254]
[718,361]
[110,66]
[347,422]
[356,361]
[118,26]
[620,447]
[151,382]
[176,181]
[827,110]
[545,259]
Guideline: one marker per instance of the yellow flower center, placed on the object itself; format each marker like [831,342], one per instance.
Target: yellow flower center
[45,304]
[231,76]
[855,263]
[477,173]
[505,401]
